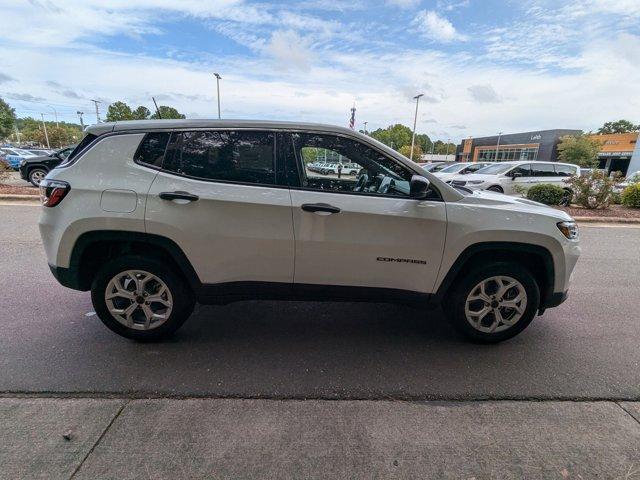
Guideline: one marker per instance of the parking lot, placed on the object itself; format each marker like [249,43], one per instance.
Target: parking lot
[389,391]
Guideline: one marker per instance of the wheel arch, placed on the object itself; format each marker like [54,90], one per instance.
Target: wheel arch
[92,249]
[536,258]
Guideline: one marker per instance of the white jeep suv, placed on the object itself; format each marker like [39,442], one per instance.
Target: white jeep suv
[505,177]
[152,216]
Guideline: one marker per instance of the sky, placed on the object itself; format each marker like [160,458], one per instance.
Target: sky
[484,66]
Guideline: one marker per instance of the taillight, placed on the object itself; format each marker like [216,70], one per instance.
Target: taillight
[53,191]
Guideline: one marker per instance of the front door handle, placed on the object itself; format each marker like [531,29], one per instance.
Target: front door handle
[319,208]
[179,195]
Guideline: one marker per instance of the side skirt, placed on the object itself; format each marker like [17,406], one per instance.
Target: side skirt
[223,293]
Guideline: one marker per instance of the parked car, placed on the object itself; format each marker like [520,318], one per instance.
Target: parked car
[152,216]
[343,168]
[40,152]
[13,156]
[34,169]
[459,168]
[629,180]
[505,177]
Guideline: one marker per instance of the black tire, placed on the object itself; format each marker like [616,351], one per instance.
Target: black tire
[34,172]
[566,199]
[182,296]
[495,188]
[456,300]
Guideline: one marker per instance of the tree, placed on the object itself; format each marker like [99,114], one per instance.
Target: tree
[167,112]
[621,126]
[118,111]
[395,136]
[141,113]
[31,130]
[406,151]
[441,148]
[580,150]
[7,119]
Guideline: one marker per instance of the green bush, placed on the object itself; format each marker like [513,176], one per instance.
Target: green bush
[631,196]
[594,189]
[547,194]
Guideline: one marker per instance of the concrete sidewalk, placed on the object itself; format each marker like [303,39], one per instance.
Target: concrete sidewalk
[220,438]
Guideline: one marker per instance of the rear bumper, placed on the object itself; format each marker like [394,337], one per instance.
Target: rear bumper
[67,277]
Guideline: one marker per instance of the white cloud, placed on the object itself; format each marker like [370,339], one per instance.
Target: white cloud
[483,94]
[437,28]
[289,49]
[404,3]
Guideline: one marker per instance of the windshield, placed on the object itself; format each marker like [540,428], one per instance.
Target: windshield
[496,169]
[453,168]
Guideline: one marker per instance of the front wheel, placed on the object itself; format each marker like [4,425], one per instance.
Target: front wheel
[493,303]
[140,298]
[495,188]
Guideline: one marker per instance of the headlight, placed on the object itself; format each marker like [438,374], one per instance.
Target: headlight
[475,182]
[569,230]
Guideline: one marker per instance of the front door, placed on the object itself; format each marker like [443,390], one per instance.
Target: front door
[362,230]
[218,198]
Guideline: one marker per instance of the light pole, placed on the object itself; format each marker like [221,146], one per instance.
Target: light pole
[498,145]
[80,114]
[96,102]
[55,114]
[415,120]
[365,127]
[46,135]
[218,77]
[448,142]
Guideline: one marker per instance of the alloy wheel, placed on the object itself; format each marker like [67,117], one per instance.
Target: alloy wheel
[138,299]
[495,304]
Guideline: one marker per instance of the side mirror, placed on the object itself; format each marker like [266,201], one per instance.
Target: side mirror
[515,175]
[419,187]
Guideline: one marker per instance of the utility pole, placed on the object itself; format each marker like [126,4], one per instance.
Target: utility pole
[365,127]
[218,78]
[498,145]
[46,135]
[415,119]
[80,114]
[96,102]
[448,142]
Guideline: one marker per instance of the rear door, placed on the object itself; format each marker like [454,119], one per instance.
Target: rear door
[545,173]
[218,197]
[362,230]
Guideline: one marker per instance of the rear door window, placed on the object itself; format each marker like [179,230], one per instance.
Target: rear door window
[565,170]
[542,170]
[228,156]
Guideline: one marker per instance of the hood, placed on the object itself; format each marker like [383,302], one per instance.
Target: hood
[473,176]
[507,202]
[38,158]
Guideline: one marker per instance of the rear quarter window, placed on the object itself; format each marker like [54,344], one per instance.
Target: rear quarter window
[152,149]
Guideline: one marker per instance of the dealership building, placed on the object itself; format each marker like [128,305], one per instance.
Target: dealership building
[616,150]
[541,145]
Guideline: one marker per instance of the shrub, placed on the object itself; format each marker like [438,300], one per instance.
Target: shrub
[5,170]
[631,196]
[593,190]
[547,194]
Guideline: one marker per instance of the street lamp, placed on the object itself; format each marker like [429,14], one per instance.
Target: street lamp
[80,114]
[498,145]
[55,114]
[218,77]
[415,119]
[44,125]
[365,127]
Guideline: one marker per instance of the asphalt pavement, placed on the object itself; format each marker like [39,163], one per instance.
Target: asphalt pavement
[587,348]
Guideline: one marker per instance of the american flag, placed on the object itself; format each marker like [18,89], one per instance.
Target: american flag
[352,120]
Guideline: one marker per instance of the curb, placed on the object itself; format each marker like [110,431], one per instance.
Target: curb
[8,197]
[607,220]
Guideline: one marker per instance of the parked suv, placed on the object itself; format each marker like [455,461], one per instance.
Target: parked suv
[152,216]
[505,177]
[34,169]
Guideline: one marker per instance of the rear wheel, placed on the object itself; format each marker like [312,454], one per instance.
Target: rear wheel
[141,298]
[494,302]
[36,175]
[566,198]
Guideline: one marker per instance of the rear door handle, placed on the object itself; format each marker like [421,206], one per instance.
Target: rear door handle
[319,208]
[179,195]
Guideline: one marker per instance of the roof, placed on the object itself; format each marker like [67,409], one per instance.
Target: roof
[132,125]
